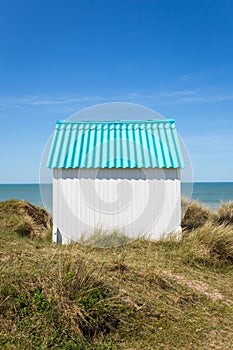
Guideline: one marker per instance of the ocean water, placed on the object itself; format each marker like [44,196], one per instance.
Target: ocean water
[40,195]
[211,194]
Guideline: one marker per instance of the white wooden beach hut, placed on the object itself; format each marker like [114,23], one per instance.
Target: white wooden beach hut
[115,175]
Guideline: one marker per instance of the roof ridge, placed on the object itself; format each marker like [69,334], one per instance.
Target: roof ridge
[129,121]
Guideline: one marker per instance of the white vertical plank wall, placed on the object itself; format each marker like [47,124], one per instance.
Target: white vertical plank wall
[133,201]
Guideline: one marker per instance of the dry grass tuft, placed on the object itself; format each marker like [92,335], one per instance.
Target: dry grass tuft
[210,244]
[195,216]
[102,239]
[25,219]
[224,215]
[65,302]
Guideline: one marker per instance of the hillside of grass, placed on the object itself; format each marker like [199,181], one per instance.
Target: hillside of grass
[170,294]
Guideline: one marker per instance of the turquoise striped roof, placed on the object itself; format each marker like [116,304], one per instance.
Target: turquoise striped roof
[115,144]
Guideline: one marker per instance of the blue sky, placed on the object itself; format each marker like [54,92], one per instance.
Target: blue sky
[57,57]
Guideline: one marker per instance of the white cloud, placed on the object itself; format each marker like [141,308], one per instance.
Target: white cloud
[171,97]
[58,101]
[171,94]
[41,101]
[206,99]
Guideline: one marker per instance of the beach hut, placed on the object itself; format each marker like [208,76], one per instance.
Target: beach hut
[119,176]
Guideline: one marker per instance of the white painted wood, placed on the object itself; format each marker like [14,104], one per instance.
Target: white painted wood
[133,201]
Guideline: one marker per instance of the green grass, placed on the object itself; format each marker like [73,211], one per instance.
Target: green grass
[170,294]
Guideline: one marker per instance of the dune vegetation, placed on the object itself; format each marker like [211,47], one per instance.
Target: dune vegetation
[169,294]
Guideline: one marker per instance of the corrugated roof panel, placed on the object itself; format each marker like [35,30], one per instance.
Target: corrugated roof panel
[157,147]
[119,144]
[165,147]
[172,147]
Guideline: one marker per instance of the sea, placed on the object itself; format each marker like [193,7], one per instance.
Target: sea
[210,194]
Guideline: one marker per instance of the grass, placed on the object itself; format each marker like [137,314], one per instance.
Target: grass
[195,215]
[25,219]
[170,294]
[102,239]
[210,244]
[224,214]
